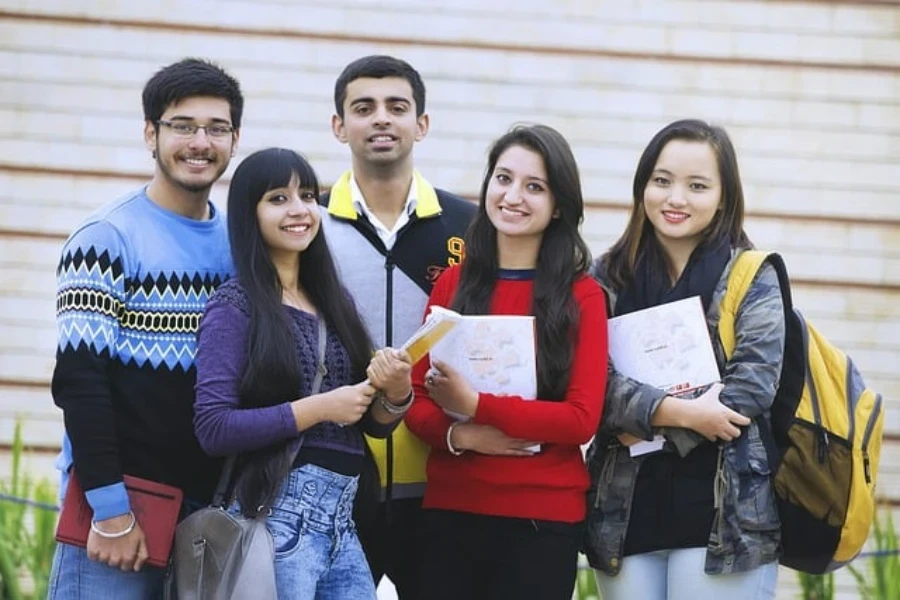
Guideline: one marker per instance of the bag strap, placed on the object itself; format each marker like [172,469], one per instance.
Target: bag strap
[218,500]
[741,277]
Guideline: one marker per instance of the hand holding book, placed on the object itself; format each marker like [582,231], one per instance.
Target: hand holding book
[450,390]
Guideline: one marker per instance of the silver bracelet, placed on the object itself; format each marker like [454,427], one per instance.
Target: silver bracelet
[396,409]
[450,447]
[118,534]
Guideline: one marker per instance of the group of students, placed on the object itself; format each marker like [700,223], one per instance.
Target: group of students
[186,337]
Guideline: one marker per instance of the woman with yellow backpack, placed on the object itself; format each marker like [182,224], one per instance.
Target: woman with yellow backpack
[698,518]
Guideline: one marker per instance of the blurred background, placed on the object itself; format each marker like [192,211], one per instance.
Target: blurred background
[809,91]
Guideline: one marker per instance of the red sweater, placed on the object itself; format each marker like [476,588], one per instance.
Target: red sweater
[550,485]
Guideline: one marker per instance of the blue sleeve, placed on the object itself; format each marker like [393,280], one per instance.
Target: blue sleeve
[91,290]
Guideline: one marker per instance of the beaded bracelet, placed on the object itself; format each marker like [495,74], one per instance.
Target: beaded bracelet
[118,534]
[396,409]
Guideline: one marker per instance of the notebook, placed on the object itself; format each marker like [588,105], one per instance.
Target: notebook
[156,507]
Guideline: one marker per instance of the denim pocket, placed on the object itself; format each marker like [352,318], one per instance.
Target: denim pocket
[286,527]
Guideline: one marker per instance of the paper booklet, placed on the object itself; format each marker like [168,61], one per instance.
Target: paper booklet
[495,353]
[666,346]
[437,325]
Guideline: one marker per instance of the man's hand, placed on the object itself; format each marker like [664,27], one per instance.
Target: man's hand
[486,439]
[128,552]
[389,372]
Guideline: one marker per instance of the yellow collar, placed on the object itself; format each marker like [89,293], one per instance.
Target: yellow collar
[340,200]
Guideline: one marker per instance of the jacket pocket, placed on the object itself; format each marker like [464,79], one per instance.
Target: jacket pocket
[756,508]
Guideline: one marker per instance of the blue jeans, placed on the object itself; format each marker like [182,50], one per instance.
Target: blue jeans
[74,576]
[679,575]
[317,552]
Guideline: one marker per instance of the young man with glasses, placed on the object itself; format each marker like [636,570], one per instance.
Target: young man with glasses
[392,234]
[132,283]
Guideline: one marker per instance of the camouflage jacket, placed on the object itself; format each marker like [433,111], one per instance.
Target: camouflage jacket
[746,529]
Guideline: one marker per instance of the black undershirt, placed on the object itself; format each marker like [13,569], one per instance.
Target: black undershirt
[334,460]
[673,504]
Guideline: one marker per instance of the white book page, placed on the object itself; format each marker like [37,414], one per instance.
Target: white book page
[666,346]
[495,354]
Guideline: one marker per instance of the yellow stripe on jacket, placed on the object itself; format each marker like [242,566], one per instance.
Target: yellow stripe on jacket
[410,456]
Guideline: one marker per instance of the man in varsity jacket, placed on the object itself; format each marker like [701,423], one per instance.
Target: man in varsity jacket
[132,283]
[392,234]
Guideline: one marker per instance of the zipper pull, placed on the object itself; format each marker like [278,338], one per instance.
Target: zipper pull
[389,261]
[866,468]
[822,446]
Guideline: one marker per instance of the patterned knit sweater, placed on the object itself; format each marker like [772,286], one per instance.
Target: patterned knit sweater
[131,286]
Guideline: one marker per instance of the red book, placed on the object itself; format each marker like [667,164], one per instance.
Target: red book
[156,507]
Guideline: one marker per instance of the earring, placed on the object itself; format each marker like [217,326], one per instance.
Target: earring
[153,154]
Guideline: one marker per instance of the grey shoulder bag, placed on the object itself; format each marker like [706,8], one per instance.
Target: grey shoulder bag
[218,555]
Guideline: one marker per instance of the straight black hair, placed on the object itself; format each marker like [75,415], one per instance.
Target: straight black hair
[273,375]
[562,258]
[379,66]
[188,78]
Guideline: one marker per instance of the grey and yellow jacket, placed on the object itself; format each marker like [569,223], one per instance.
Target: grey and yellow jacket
[391,288]
[746,529]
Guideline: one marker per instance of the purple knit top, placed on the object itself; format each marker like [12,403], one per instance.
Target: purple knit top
[223,427]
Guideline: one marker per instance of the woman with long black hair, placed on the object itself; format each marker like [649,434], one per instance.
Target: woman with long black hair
[301,450]
[500,520]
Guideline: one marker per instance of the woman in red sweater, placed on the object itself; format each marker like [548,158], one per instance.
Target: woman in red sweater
[501,521]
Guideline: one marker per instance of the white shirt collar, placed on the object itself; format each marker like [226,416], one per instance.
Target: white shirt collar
[388,236]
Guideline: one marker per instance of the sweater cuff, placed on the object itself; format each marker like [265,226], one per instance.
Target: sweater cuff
[484,413]
[108,501]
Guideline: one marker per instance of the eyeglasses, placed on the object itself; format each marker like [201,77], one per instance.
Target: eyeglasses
[187,129]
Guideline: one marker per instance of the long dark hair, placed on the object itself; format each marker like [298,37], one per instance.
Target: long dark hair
[639,241]
[273,375]
[562,258]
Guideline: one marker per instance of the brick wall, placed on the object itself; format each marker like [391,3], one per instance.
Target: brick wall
[809,91]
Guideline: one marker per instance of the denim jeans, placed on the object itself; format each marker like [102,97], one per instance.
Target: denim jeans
[74,576]
[318,555]
[679,575]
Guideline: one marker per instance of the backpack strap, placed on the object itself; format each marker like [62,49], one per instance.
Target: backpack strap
[744,270]
[741,277]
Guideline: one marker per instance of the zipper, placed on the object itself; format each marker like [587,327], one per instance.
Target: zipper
[822,434]
[388,341]
[870,427]
[852,400]
[813,394]
[389,265]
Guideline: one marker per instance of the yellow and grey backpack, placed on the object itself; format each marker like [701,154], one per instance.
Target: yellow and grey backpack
[825,437]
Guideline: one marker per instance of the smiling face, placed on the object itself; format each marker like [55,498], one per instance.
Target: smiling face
[683,194]
[288,219]
[192,163]
[380,123]
[518,200]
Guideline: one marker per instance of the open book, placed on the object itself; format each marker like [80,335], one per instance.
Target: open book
[495,353]
[666,346]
